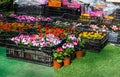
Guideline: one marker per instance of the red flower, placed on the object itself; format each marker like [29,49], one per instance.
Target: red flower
[40,31]
[62,35]
[51,30]
[1,27]
[59,49]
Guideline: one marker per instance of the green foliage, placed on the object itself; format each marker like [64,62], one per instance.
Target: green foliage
[58,56]
[80,45]
[68,51]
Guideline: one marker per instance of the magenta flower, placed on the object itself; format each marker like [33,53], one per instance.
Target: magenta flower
[75,42]
[12,15]
[48,19]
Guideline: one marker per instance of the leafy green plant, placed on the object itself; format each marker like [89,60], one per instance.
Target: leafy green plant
[80,45]
[58,54]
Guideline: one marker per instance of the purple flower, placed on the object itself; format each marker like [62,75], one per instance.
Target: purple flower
[28,21]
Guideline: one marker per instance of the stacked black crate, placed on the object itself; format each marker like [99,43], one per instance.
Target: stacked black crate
[28,9]
[117,14]
[59,11]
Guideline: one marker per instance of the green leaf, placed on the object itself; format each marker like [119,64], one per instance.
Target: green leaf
[59,60]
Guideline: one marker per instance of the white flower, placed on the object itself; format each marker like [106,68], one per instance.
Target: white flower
[64,46]
[70,45]
[72,36]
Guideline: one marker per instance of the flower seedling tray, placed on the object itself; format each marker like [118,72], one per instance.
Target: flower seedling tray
[63,23]
[96,45]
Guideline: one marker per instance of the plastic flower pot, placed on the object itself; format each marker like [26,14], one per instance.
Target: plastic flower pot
[56,64]
[79,54]
[66,61]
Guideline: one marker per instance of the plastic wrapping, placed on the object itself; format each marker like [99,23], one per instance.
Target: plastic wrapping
[110,8]
[86,1]
[107,7]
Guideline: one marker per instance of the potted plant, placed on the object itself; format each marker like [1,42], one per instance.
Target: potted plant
[74,41]
[58,57]
[79,48]
[68,49]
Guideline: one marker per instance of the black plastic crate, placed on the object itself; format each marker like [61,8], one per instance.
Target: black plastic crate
[118,40]
[8,34]
[117,14]
[59,11]
[113,37]
[70,16]
[29,9]
[43,56]
[94,47]
[35,55]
